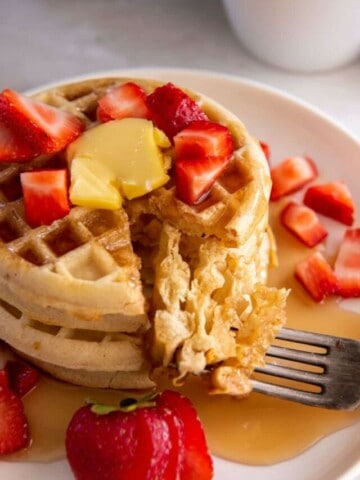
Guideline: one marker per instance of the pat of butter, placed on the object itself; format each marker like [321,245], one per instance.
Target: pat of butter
[115,159]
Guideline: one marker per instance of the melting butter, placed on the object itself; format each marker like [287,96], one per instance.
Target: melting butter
[120,158]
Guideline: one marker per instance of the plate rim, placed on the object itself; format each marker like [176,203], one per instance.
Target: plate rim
[262,86]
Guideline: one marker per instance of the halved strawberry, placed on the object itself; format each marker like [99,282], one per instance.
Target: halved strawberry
[196,176]
[316,276]
[126,100]
[291,175]
[203,138]
[12,147]
[303,223]
[347,264]
[266,149]
[45,196]
[14,430]
[45,129]
[172,110]
[332,199]
[22,377]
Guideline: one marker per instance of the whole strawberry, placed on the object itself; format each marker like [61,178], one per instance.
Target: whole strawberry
[157,438]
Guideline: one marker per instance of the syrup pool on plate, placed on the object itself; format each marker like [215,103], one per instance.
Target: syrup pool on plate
[258,430]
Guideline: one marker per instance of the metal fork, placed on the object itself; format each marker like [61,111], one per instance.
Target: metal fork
[337,382]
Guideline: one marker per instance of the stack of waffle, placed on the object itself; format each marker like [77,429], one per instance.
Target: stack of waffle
[72,293]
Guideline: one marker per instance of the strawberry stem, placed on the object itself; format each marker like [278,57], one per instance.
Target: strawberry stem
[128,404]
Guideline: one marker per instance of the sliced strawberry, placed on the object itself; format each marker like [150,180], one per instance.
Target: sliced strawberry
[23,377]
[127,100]
[203,138]
[291,175]
[332,199]
[347,264]
[158,437]
[303,223]
[172,110]
[14,431]
[45,196]
[45,129]
[266,149]
[13,148]
[316,276]
[195,460]
[195,177]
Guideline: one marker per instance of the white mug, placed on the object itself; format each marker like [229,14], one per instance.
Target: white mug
[305,35]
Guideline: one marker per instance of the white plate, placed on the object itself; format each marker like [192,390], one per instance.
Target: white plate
[290,127]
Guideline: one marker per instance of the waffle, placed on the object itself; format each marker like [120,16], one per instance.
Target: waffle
[205,267]
[91,358]
[81,266]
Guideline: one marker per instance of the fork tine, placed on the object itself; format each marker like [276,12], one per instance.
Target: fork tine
[307,398]
[293,374]
[339,381]
[296,355]
[307,338]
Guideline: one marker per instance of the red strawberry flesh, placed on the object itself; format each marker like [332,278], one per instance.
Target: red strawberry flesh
[332,199]
[291,175]
[266,149]
[14,430]
[4,379]
[45,195]
[195,177]
[118,445]
[160,437]
[172,110]
[316,276]
[347,264]
[23,377]
[203,138]
[13,148]
[303,223]
[126,100]
[195,460]
[45,129]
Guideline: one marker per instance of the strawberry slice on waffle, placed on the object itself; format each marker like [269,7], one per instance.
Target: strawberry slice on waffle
[45,196]
[291,175]
[35,128]
[172,110]
[202,151]
[195,177]
[332,199]
[347,264]
[12,146]
[204,139]
[125,101]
